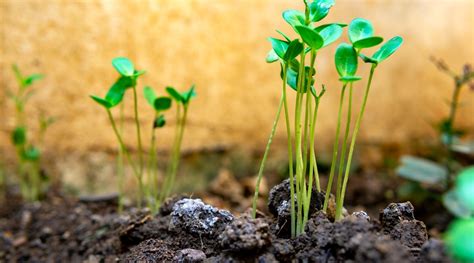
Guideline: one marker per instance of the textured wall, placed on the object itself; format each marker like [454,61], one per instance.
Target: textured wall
[220,45]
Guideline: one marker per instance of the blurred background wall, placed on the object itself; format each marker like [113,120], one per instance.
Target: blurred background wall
[220,45]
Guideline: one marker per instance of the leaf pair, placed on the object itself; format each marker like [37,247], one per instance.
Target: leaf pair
[284,50]
[158,103]
[25,81]
[346,62]
[125,67]
[182,97]
[318,38]
[116,92]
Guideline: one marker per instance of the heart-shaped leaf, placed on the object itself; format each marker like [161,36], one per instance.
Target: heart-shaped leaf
[387,49]
[321,27]
[279,46]
[149,95]
[346,60]
[101,101]
[319,9]
[310,37]
[330,33]
[124,66]
[19,136]
[162,103]
[271,56]
[159,121]
[174,94]
[294,49]
[294,17]
[359,29]
[367,42]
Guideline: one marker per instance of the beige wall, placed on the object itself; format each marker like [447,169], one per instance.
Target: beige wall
[220,45]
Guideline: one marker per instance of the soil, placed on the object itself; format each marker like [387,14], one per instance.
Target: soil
[62,229]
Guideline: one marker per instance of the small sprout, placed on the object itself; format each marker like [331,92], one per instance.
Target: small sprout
[159,122]
[294,18]
[124,66]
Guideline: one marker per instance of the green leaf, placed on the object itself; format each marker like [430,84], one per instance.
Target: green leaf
[174,94]
[310,37]
[359,29]
[19,136]
[31,154]
[284,35]
[32,79]
[294,49]
[346,60]
[159,121]
[115,94]
[18,75]
[271,57]
[124,66]
[292,79]
[101,101]
[460,239]
[465,187]
[321,27]
[294,17]
[454,204]
[138,73]
[422,170]
[188,95]
[350,78]
[319,9]
[162,103]
[367,42]
[367,59]
[149,95]
[387,49]
[330,34]
[279,46]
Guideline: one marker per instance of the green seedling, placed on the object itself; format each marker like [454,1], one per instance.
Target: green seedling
[440,173]
[182,100]
[460,235]
[298,71]
[114,97]
[28,147]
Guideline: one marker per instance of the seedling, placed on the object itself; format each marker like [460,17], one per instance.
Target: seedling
[114,97]
[299,74]
[27,147]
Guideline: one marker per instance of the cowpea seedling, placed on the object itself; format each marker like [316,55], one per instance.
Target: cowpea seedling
[297,58]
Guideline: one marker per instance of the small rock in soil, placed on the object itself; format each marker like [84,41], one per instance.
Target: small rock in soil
[189,255]
[361,215]
[394,213]
[245,234]
[195,217]
[412,234]
[434,251]
[152,250]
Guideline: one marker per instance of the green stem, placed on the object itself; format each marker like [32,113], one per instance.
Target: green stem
[140,148]
[452,115]
[340,203]
[120,163]
[342,156]
[334,151]
[175,162]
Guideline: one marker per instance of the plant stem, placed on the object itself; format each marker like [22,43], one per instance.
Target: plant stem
[152,171]
[120,163]
[340,203]
[334,150]
[452,115]
[140,149]
[342,156]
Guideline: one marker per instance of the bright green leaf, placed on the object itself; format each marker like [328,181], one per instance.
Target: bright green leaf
[115,94]
[284,36]
[387,49]
[279,46]
[294,17]
[367,59]
[465,187]
[174,94]
[31,79]
[294,49]
[321,27]
[330,34]
[101,101]
[149,95]
[319,9]
[19,136]
[188,95]
[359,29]
[310,37]
[350,78]
[162,103]
[367,42]
[346,60]
[271,57]
[460,239]
[124,66]
[31,154]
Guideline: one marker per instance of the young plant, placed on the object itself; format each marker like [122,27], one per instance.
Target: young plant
[182,100]
[27,148]
[299,74]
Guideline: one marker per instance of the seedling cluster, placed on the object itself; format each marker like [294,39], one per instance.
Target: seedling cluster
[297,58]
[128,80]
[28,146]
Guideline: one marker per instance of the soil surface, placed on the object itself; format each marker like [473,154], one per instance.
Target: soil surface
[62,229]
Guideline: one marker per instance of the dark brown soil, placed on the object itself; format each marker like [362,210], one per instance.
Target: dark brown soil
[187,230]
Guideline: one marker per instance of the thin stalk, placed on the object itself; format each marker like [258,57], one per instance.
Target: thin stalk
[342,157]
[120,162]
[452,115]
[334,150]
[340,203]
[140,148]
[151,168]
